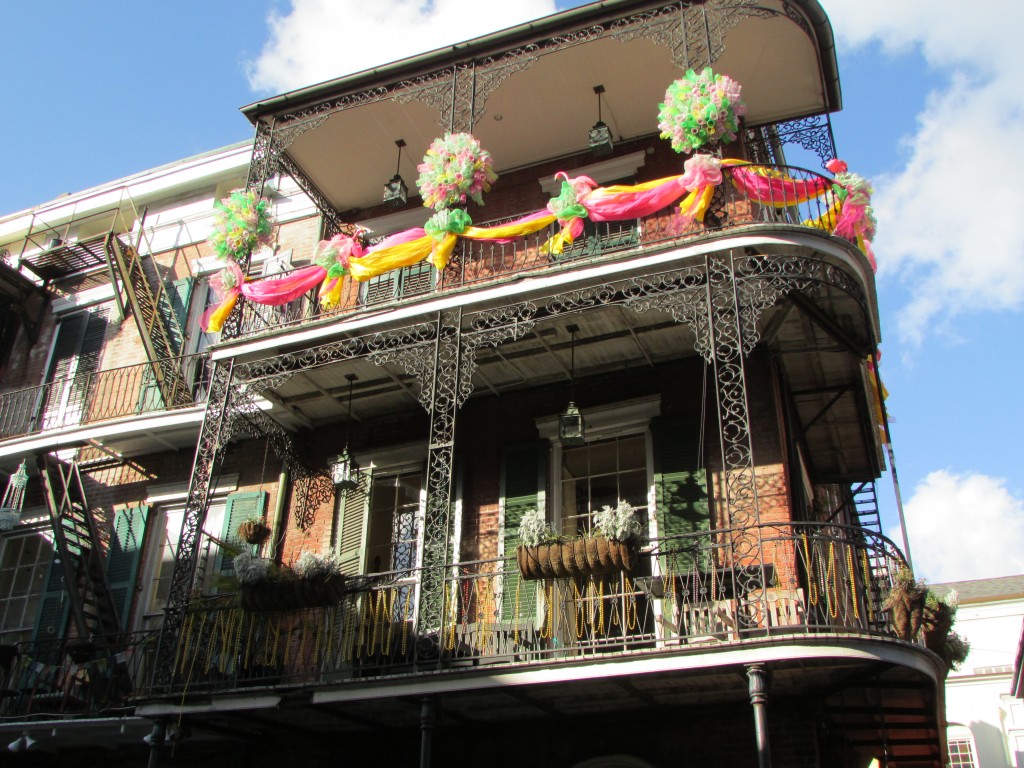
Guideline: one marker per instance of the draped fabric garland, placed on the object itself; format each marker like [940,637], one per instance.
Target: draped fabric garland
[848,214]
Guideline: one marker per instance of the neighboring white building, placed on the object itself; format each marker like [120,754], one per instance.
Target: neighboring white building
[986,722]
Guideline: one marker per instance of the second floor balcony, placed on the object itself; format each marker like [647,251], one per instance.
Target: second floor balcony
[78,404]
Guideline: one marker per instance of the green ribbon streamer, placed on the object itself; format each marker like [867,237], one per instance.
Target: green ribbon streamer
[447,221]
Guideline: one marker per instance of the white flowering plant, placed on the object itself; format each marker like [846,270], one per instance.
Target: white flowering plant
[618,523]
[311,565]
[250,569]
[534,529]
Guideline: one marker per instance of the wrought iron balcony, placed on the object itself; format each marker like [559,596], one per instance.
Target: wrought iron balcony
[101,395]
[686,594]
[51,679]
[477,263]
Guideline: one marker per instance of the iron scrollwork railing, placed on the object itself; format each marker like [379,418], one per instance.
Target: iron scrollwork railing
[685,590]
[53,679]
[131,390]
[476,263]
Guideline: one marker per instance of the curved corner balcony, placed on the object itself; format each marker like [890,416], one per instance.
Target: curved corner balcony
[758,200]
[793,584]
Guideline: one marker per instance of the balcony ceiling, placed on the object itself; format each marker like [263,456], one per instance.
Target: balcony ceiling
[544,110]
[816,340]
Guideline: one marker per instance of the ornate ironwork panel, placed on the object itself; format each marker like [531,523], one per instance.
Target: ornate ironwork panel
[417,360]
[738,488]
[440,462]
[263,163]
[694,33]
[209,456]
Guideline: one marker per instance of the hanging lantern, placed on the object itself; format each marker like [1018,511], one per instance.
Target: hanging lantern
[571,429]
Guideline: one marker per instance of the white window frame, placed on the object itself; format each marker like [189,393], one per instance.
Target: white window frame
[163,501]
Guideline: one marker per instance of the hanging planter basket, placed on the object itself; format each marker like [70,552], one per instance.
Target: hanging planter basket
[907,611]
[292,594]
[254,532]
[577,558]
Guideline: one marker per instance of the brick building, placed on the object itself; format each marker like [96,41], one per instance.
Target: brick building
[718,363]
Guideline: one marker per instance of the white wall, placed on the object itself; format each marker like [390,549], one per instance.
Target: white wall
[978,696]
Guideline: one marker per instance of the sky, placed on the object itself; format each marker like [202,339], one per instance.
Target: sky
[930,90]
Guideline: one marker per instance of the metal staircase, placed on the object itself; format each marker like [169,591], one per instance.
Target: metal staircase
[865,504]
[77,545]
[155,318]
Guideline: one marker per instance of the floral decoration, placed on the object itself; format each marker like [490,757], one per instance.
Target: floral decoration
[312,565]
[853,191]
[700,109]
[334,254]
[447,221]
[454,170]
[242,222]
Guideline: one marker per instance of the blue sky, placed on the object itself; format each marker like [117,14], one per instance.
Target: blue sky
[95,93]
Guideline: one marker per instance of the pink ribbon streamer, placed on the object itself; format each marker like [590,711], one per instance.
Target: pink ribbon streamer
[771,190]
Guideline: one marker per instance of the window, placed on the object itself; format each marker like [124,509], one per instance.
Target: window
[24,564]
[163,549]
[960,741]
[398,283]
[379,523]
[599,474]
[961,754]
[75,356]
[393,530]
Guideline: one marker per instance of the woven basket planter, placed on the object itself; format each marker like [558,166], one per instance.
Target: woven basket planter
[292,594]
[577,558]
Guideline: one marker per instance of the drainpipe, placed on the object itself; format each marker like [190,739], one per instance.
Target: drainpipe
[758,677]
[428,714]
[281,511]
[156,740]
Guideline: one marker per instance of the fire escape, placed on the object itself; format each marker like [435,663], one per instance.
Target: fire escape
[92,261]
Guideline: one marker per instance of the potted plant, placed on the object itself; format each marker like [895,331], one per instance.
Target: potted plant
[253,531]
[533,555]
[937,622]
[315,580]
[905,604]
[612,545]
[9,518]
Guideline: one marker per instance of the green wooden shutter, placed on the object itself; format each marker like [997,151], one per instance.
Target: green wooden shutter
[124,555]
[54,606]
[150,397]
[248,505]
[353,515]
[523,478]
[680,483]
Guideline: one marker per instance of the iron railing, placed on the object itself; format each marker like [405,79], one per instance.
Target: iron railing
[479,262]
[51,678]
[685,593]
[101,395]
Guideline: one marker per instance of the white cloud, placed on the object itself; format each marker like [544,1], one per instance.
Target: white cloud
[964,526]
[948,219]
[319,40]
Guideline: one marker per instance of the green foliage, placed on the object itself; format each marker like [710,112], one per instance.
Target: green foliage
[534,529]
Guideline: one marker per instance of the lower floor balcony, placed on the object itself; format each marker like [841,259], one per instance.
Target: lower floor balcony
[682,632]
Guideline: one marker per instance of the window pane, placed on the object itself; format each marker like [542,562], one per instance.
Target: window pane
[600,474]
[393,533]
[26,561]
[603,458]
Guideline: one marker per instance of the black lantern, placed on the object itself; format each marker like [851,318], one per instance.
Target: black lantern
[345,471]
[600,136]
[396,193]
[571,430]
[345,468]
